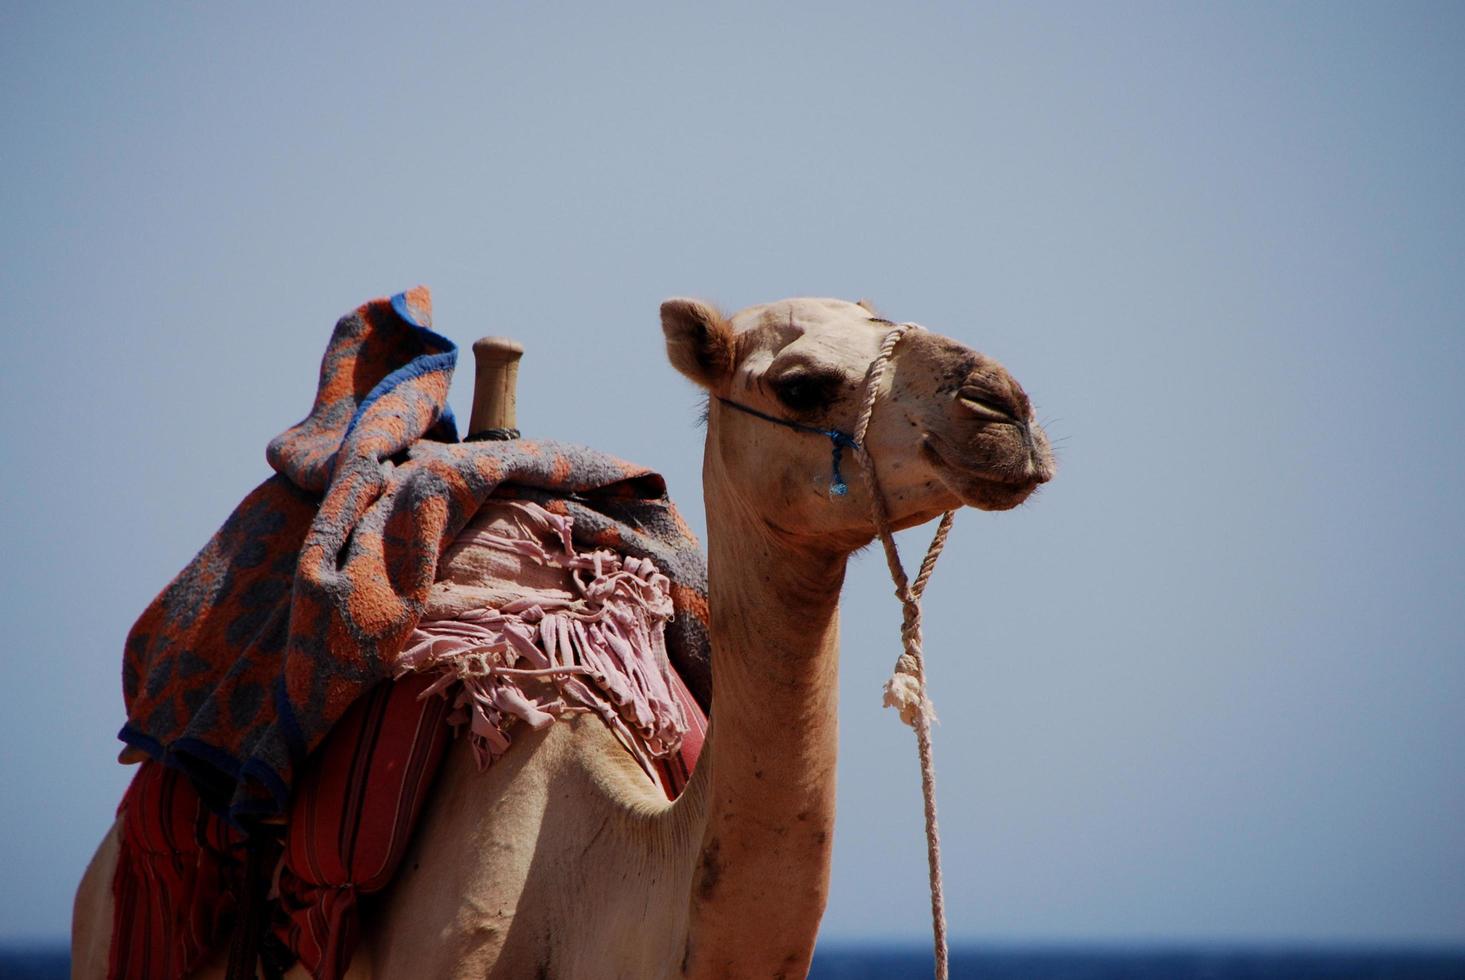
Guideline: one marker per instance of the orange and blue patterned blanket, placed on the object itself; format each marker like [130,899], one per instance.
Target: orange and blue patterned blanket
[300,602]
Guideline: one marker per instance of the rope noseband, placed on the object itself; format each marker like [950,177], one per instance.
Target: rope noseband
[906,689]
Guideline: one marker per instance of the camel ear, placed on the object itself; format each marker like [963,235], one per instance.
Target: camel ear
[699,341]
[869,307]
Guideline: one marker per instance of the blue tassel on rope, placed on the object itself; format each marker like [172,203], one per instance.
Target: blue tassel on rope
[839,488]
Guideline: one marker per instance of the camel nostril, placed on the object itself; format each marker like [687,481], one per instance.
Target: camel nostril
[984,405]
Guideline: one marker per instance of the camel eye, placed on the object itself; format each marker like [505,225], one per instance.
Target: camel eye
[804,392]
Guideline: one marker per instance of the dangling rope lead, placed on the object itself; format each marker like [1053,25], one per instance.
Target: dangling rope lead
[906,689]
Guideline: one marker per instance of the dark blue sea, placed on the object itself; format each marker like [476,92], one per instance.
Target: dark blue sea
[1150,963]
[846,962]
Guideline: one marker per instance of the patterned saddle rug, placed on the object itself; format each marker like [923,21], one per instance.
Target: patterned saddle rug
[305,597]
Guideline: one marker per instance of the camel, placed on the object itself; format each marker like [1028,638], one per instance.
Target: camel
[563,859]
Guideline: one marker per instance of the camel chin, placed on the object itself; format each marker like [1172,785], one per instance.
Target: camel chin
[992,495]
[977,487]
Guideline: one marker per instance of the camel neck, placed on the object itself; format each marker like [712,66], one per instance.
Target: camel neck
[763,868]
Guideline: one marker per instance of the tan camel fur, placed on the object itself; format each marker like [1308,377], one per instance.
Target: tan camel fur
[563,859]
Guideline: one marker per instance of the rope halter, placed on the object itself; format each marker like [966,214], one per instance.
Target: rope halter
[906,689]
[841,440]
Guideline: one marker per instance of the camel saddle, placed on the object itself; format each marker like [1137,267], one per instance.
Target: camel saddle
[295,687]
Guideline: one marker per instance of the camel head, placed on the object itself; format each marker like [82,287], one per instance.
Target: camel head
[950,425]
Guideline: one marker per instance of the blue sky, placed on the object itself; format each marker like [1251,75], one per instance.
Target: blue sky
[1207,685]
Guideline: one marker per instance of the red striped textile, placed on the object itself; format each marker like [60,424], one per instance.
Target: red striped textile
[178,867]
[675,771]
[352,816]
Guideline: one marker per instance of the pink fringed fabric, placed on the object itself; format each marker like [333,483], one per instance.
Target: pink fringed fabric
[544,654]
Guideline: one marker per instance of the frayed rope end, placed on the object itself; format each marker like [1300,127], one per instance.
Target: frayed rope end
[903,693]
